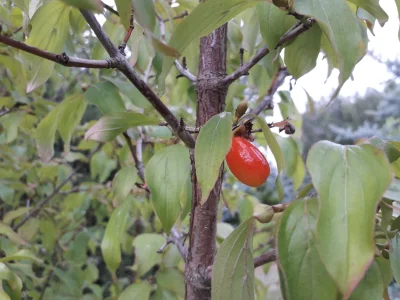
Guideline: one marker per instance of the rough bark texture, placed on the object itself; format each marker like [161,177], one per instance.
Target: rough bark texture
[210,101]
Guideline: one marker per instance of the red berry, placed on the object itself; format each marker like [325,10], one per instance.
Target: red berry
[247,163]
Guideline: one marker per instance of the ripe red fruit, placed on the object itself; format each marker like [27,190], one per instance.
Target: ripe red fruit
[247,163]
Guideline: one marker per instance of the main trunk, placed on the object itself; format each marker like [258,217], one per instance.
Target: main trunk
[210,101]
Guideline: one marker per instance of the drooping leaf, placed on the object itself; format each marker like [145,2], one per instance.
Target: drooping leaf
[111,243]
[146,246]
[370,286]
[207,16]
[168,178]
[111,125]
[106,97]
[310,103]
[213,144]
[394,255]
[392,152]
[302,270]
[373,7]
[71,114]
[124,11]
[349,180]
[13,236]
[45,134]
[50,26]
[23,254]
[144,13]
[94,5]
[140,290]
[301,55]
[273,23]
[276,151]
[233,269]
[342,28]
[123,183]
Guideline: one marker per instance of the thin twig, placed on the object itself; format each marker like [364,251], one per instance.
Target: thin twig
[133,77]
[109,8]
[42,203]
[179,16]
[178,240]
[127,35]
[266,102]
[265,258]
[288,36]
[62,59]
[185,72]
[138,163]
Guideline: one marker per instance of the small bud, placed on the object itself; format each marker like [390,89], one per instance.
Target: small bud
[264,213]
[241,109]
[84,87]
[289,129]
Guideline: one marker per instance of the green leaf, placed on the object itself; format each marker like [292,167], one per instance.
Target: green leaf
[293,162]
[394,255]
[168,178]
[385,270]
[130,91]
[145,14]
[8,232]
[73,109]
[233,269]
[93,5]
[50,26]
[140,290]
[110,126]
[213,144]
[45,134]
[393,192]
[146,246]
[12,283]
[273,23]
[349,180]
[207,16]
[390,147]
[111,244]
[101,166]
[373,7]
[310,103]
[371,286]
[123,183]
[276,151]
[387,212]
[106,97]
[342,28]
[171,279]
[302,270]
[14,214]
[398,12]
[23,254]
[124,11]
[301,55]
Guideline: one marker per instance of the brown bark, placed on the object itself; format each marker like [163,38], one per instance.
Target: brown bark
[210,101]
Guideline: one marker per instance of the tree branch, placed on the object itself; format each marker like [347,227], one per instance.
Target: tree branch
[62,59]
[185,72]
[288,36]
[138,163]
[133,77]
[265,258]
[109,8]
[266,102]
[42,203]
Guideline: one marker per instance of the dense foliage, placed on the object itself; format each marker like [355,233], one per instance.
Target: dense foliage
[101,180]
